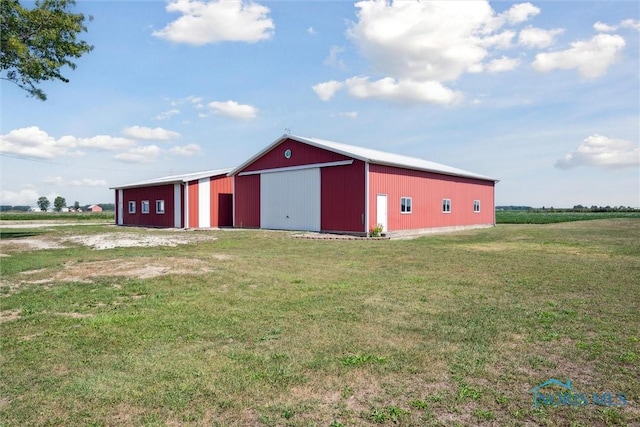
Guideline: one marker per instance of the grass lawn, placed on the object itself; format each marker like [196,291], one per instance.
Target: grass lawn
[259,329]
[548,217]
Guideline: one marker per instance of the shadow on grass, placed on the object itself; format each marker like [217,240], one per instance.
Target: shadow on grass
[18,234]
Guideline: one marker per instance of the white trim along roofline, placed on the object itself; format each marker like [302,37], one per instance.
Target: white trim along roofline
[174,179]
[369,155]
[295,168]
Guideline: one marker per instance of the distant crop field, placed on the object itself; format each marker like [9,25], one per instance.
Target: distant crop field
[541,217]
[123,326]
[47,216]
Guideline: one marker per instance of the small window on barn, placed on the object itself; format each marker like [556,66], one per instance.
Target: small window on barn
[160,206]
[446,205]
[132,207]
[405,205]
[476,206]
[144,207]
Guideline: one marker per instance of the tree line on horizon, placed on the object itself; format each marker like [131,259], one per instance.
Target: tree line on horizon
[59,203]
[576,208]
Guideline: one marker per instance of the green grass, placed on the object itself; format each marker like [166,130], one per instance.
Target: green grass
[448,329]
[542,217]
[49,216]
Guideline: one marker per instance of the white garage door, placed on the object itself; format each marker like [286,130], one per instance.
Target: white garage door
[290,200]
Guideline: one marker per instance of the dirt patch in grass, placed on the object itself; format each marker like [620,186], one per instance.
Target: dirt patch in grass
[141,268]
[73,315]
[9,315]
[29,244]
[518,246]
[128,240]
[102,241]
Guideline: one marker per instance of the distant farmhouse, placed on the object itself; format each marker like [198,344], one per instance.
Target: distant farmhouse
[299,183]
[94,208]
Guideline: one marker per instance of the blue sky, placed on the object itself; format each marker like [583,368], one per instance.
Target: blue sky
[544,96]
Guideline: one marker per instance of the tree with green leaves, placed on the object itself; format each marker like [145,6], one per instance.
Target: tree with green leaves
[59,203]
[76,205]
[43,203]
[37,43]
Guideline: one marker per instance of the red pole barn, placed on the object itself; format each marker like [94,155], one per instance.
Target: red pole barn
[195,200]
[300,183]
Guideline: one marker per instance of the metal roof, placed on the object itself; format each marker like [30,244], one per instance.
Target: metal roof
[371,156]
[174,179]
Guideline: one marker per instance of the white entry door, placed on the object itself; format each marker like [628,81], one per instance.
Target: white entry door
[290,200]
[381,211]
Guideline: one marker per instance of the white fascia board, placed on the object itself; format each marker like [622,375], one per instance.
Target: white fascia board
[300,167]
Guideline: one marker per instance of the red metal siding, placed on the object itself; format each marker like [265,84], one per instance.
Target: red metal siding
[342,190]
[427,191]
[247,201]
[221,189]
[152,219]
[192,189]
[301,154]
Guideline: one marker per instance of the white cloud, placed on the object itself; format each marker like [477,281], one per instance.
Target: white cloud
[602,151]
[626,23]
[167,114]
[312,31]
[503,64]
[53,180]
[35,143]
[421,40]
[403,91]
[327,90]
[102,142]
[416,47]
[592,58]
[24,197]
[333,59]
[191,99]
[604,28]
[188,150]
[233,109]
[501,40]
[151,134]
[144,154]
[217,21]
[88,182]
[631,23]
[537,37]
[84,182]
[520,13]
[349,114]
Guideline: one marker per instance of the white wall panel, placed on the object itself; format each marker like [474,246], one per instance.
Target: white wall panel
[177,205]
[204,203]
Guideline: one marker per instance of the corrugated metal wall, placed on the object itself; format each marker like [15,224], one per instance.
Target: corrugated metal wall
[343,197]
[221,199]
[211,202]
[301,154]
[247,201]
[152,219]
[290,200]
[194,202]
[427,190]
